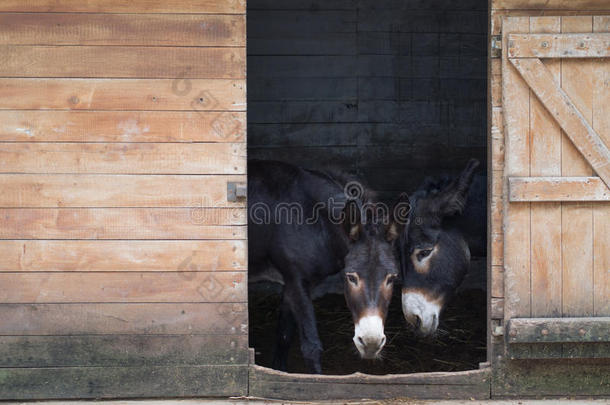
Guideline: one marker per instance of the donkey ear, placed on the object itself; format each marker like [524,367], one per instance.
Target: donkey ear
[453,198]
[399,217]
[352,220]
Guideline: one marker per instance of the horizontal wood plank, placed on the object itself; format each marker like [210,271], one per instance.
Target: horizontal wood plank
[122,62]
[122,126]
[563,110]
[121,256]
[559,45]
[269,383]
[133,158]
[577,5]
[120,29]
[52,190]
[173,286]
[123,223]
[123,382]
[120,6]
[122,350]
[557,189]
[180,94]
[132,318]
[558,330]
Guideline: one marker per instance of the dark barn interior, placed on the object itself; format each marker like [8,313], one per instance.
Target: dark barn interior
[392,91]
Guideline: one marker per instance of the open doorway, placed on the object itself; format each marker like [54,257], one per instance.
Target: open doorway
[393,92]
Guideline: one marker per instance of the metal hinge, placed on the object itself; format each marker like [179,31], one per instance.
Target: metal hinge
[496,46]
[236,191]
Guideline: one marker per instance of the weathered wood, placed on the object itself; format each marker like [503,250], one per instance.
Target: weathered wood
[497,306]
[132,158]
[122,62]
[558,330]
[119,6]
[545,160]
[123,382]
[559,351]
[517,219]
[559,45]
[124,94]
[122,223]
[108,255]
[119,319]
[122,350]
[587,5]
[577,79]
[49,190]
[557,189]
[269,383]
[120,29]
[574,124]
[172,286]
[518,379]
[122,126]
[497,282]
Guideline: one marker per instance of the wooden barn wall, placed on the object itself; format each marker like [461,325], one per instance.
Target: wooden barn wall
[122,265]
[518,377]
[392,90]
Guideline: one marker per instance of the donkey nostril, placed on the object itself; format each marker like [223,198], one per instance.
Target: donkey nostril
[417,321]
[361,341]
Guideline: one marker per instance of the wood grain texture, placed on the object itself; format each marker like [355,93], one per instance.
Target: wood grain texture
[269,383]
[545,160]
[123,382]
[133,158]
[138,256]
[118,6]
[122,223]
[571,120]
[559,330]
[581,5]
[55,191]
[173,286]
[122,62]
[577,218]
[120,29]
[123,94]
[557,189]
[122,350]
[596,45]
[122,126]
[516,102]
[601,212]
[120,319]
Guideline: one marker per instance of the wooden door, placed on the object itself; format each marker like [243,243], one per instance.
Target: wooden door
[122,262]
[556,100]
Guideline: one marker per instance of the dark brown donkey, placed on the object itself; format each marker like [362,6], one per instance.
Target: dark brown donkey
[306,225]
[434,253]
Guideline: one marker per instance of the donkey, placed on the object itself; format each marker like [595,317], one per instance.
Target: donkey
[305,226]
[434,253]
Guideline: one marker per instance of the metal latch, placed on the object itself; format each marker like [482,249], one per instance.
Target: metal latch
[236,191]
[496,46]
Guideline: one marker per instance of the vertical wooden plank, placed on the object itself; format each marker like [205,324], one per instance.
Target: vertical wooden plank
[577,218]
[601,212]
[515,99]
[546,218]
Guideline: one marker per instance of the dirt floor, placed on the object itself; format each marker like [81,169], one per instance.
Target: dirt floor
[458,345]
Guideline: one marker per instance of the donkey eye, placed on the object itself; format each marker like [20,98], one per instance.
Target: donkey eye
[422,254]
[352,279]
[391,279]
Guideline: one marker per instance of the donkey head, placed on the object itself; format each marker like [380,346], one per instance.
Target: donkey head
[434,259]
[371,266]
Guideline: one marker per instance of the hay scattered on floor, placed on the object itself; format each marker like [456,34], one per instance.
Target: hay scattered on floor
[458,345]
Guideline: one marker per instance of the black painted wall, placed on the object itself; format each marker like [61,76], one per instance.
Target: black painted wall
[392,90]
